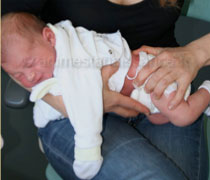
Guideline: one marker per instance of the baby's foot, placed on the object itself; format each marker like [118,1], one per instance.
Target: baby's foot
[87,162]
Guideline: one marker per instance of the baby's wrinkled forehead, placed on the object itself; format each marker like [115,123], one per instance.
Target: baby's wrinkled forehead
[21,23]
[14,48]
[15,26]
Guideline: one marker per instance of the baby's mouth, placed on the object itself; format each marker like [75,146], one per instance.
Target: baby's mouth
[38,80]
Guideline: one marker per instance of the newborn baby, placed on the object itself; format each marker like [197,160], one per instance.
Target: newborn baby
[63,60]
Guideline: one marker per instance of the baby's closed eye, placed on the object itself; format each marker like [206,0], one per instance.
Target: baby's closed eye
[29,63]
[17,75]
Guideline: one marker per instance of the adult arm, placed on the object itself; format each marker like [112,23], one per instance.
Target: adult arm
[112,101]
[179,64]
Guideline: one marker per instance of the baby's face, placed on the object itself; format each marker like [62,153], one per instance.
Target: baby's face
[30,63]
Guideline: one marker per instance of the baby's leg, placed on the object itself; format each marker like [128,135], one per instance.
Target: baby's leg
[158,118]
[187,111]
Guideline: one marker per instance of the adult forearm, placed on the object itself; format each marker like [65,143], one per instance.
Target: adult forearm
[56,102]
[201,49]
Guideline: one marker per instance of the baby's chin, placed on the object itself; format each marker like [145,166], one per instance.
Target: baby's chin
[29,85]
[44,78]
[40,79]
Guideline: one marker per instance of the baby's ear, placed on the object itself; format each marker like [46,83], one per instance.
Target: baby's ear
[48,35]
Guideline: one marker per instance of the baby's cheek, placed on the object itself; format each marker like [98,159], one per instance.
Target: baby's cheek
[48,75]
[26,83]
[48,71]
[162,103]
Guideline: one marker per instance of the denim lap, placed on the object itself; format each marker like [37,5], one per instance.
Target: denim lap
[186,146]
[127,153]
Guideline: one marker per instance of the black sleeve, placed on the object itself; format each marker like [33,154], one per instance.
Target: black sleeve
[31,6]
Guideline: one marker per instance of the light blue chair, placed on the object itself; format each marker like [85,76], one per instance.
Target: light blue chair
[51,173]
[198,9]
[208,139]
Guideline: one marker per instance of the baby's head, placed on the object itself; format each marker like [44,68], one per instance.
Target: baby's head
[27,49]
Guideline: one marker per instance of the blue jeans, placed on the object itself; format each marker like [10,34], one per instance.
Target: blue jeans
[133,149]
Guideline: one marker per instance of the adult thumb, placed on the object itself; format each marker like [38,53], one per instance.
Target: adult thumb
[108,70]
[149,50]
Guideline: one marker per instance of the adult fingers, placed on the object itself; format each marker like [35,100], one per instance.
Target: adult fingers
[155,79]
[163,84]
[130,103]
[107,71]
[119,103]
[182,87]
[148,49]
[146,71]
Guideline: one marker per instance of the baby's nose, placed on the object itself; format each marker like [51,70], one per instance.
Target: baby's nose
[31,76]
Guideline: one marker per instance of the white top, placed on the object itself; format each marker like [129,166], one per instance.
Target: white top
[80,54]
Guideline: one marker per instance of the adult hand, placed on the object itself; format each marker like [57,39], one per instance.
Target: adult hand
[170,64]
[116,102]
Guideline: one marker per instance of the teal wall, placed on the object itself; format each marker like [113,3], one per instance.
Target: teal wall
[207,131]
[208,139]
[198,9]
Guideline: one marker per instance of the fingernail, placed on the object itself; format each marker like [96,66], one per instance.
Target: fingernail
[152,95]
[170,107]
[135,86]
[146,90]
[135,83]
[117,63]
[155,96]
[166,94]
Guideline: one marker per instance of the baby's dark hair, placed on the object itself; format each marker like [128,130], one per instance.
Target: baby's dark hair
[19,24]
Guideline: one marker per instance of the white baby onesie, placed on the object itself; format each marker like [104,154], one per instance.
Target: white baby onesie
[80,54]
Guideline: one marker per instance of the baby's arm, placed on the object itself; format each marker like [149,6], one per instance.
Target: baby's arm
[82,96]
[186,112]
